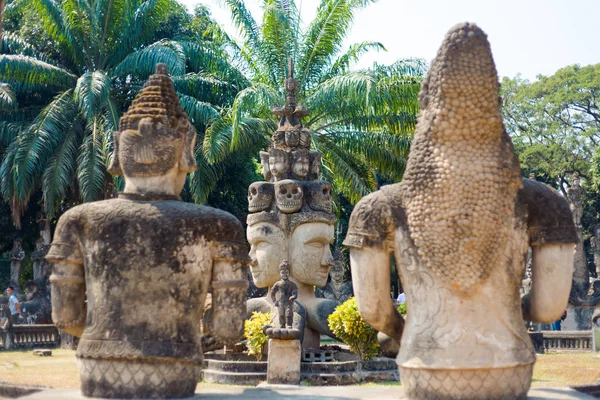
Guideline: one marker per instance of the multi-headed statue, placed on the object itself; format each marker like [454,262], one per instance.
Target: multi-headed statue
[114,253]
[459,225]
[291,219]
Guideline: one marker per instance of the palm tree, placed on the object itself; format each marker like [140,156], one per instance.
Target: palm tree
[361,120]
[106,52]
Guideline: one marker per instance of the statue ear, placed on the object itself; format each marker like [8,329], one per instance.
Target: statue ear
[188,159]
[115,165]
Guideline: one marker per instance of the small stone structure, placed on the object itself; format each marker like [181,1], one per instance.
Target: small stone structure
[459,225]
[131,274]
[337,289]
[291,219]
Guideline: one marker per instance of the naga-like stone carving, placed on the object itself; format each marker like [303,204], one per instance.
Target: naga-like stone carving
[459,225]
[110,255]
[298,228]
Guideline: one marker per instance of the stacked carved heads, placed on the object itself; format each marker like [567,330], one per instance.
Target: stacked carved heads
[292,196]
[155,136]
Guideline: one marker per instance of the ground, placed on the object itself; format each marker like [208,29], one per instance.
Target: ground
[60,369]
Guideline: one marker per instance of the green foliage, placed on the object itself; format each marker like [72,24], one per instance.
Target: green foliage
[402,309]
[253,332]
[347,324]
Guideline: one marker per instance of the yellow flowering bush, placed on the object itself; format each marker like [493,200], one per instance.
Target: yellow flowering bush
[253,332]
[347,324]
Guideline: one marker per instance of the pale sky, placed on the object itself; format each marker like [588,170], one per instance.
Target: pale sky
[529,37]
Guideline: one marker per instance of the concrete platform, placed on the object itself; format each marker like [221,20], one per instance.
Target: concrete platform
[284,392]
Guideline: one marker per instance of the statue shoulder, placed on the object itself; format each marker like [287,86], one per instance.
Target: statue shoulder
[372,221]
[548,214]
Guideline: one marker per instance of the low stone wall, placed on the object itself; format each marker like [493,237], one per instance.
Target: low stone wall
[29,336]
[567,340]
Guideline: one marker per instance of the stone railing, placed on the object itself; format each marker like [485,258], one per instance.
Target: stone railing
[28,336]
[568,340]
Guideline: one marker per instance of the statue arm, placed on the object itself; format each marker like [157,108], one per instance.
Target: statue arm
[69,309]
[274,291]
[294,295]
[552,273]
[371,282]
[229,288]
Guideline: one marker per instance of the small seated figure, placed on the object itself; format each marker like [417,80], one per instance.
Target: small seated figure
[110,255]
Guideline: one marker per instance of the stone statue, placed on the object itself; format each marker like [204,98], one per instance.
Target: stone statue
[459,225]
[291,219]
[595,245]
[288,292]
[596,329]
[36,309]
[109,255]
[40,265]
[16,263]
[337,289]
[575,195]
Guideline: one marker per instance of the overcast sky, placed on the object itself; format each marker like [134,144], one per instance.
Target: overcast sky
[529,37]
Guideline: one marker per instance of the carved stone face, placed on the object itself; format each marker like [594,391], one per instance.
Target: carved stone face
[288,195]
[268,247]
[292,138]
[264,161]
[260,196]
[310,253]
[319,196]
[337,271]
[315,164]
[301,164]
[278,163]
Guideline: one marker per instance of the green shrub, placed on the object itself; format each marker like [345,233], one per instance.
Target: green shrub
[402,309]
[253,332]
[347,324]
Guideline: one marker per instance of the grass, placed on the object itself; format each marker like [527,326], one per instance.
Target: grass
[60,370]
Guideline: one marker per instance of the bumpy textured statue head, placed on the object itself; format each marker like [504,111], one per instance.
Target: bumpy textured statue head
[155,134]
[462,175]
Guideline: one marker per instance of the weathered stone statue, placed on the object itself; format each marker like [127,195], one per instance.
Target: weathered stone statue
[581,274]
[288,292]
[575,195]
[595,245]
[291,219]
[36,308]
[40,265]
[337,289]
[16,263]
[145,262]
[459,226]
[596,329]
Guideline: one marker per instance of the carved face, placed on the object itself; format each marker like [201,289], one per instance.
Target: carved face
[319,196]
[278,163]
[310,253]
[260,196]
[268,247]
[337,271]
[301,164]
[292,138]
[264,161]
[288,195]
[315,164]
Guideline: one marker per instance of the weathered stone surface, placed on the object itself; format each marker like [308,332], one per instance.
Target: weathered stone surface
[459,225]
[291,219]
[131,274]
[596,329]
[282,368]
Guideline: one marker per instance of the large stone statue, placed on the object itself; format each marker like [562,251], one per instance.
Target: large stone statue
[581,274]
[459,226]
[16,263]
[291,219]
[337,289]
[131,274]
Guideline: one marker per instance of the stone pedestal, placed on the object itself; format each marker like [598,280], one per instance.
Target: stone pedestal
[284,362]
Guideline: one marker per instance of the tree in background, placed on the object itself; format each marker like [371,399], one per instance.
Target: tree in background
[554,123]
[59,109]
[361,121]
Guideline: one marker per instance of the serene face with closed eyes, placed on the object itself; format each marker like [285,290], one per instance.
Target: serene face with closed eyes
[268,247]
[310,253]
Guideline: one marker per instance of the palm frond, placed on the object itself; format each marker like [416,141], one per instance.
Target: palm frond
[91,167]
[345,61]
[255,100]
[199,112]
[243,20]
[206,58]
[26,73]
[92,93]
[142,63]
[8,100]
[13,44]
[203,181]
[59,172]
[206,88]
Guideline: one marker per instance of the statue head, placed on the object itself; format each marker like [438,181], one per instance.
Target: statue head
[39,244]
[260,196]
[268,247]
[264,161]
[279,164]
[310,252]
[155,138]
[18,244]
[337,270]
[284,270]
[301,164]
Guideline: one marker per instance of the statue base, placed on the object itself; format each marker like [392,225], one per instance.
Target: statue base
[137,379]
[284,362]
